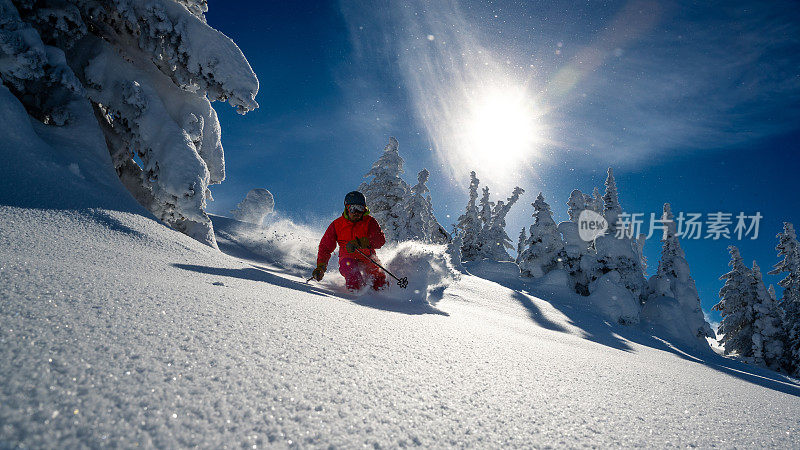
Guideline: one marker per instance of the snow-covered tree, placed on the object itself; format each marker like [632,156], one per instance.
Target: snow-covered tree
[36,73]
[789,249]
[672,280]
[768,345]
[469,224]
[545,247]
[576,205]
[736,307]
[616,255]
[255,207]
[579,202]
[575,247]
[439,234]
[622,255]
[386,193]
[454,250]
[485,212]
[595,202]
[421,224]
[611,206]
[149,69]
[640,251]
[494,238]
[522,242]
[419,213]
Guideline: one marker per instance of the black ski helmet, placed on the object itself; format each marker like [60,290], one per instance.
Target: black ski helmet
[355,198]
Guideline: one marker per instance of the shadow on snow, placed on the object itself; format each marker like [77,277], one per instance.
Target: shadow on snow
[620,337]
[370,300]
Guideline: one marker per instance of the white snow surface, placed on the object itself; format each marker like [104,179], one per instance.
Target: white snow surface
[118,331]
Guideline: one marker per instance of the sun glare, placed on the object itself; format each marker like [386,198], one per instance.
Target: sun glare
[501,132]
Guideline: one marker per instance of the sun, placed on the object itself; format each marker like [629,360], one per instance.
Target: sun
[501,130]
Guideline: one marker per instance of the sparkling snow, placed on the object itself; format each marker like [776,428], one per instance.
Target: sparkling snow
[118,331]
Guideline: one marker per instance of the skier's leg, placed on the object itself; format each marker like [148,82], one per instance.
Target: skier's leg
[376,275]
[351,271]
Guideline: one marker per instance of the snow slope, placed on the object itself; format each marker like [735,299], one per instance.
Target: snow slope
[115,330]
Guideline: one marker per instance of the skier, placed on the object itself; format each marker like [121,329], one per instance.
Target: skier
[354,230]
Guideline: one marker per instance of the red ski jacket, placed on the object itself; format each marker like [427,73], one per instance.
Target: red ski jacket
[342,230]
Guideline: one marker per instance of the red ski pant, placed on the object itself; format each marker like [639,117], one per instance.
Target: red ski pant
[358,273]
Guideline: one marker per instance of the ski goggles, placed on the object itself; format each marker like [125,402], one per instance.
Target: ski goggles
[356,208]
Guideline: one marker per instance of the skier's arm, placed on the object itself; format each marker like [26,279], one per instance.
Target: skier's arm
[326,246]
[375,234]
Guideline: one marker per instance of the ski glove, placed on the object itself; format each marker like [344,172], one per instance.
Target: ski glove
[362,242]
[319,272]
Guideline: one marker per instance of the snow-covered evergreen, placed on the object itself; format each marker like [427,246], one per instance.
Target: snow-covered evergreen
[575,247]
[486,207]
[611,253]
[255,207]
[545,248]
[616,255]
[495,241]
[386,192]
[419,213]
[789,249]
[672,280]
[150,70]
[595,202]
[469,224]
[736,307]
[454,251]
[576,205]
[611,206]
[522,242]
[482,226]
[768,345]
[421,224]
[638,247]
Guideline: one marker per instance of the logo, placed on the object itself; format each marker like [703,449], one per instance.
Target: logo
[591,225]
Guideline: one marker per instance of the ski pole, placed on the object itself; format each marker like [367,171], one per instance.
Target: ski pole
[402,282]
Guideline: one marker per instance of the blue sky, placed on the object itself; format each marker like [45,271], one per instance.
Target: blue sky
[696,104]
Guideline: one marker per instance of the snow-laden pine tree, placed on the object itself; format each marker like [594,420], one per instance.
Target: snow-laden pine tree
[621,255]
[421,224]
[789,249]
[257,204]
[575,247]
[672,280]
[576,205]
[149,69]
[522,242]
[595,202]
[469,224]
[611,206]
[545,248]
[454,250]
[485,215]
[736,307]
[386,193]
[768,345]
[419,214]
[496,242]
[579,202]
